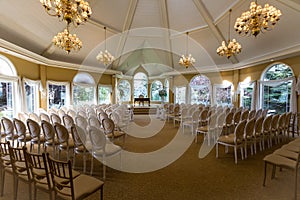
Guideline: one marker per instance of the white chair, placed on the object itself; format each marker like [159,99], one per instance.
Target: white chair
[102,148]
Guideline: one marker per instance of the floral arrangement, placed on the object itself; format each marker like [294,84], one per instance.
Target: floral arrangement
[162,93]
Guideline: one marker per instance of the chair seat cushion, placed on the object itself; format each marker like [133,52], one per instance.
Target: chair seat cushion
[229,139]
[280,161]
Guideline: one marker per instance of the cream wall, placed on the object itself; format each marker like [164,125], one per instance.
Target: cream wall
[40,72]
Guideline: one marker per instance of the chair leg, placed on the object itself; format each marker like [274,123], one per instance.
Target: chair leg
[273,171]
[235,154]
[16,183]
[217,150]
[2,181]
[296,172]
[265,174]
[92,165]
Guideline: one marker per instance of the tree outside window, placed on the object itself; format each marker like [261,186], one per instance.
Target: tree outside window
[156,86]
[200,90]
[140,85]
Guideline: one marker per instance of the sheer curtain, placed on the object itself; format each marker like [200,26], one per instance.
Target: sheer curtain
[274,83]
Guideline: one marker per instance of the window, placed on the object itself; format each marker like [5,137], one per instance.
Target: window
[156,86]
[200,90]
[124,91]
[83,90]
[58,93]
[180,94]
[276,87]
[222,94]
[10,104]
[104,94]
[31,89]
[140,84]
[247,95]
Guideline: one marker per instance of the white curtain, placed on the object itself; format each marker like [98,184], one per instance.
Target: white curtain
[33,83]
[274,83]
[67,84]
[297,89]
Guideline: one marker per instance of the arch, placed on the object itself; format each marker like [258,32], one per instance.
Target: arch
[6,67]
[84,77]
[200,90]
[277,71]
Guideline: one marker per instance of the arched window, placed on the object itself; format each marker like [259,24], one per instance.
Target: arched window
[84,89]
[10,100]
[200,90]
[156,86]
[276,88]
[124,91]
[140,84]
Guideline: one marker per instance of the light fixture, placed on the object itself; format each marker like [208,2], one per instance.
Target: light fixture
[257,19]
[230,48]
[104,56]
[187,59]
[76,11]
[67,41]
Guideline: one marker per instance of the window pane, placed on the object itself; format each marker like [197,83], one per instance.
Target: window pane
[6,101]
[83,95]
[223,96]
[277,98]
[167,86]
[277,72]
[57,95]
[104,95]
[140,85]
[180,94]
[246,97]
[200,90]
[156,86]
[124,90]
[31,96]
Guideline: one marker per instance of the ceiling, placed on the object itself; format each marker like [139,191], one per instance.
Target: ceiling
[149,34]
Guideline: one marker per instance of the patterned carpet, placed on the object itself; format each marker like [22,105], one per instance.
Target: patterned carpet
[187,178]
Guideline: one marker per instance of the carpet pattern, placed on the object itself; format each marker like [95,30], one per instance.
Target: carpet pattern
[188,178]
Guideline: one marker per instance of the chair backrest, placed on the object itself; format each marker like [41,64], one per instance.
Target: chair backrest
[203,115]
[78,135]
[72,113]
[258,125]
[252,114]
[61,133]
[264,113]
[97,138]
[61,113]
[33,128]
[229,118]
[239,131]
[38,167]
[55,118]
[20,127]
[258,113]
[93,121]
[108,125]
[288,120]
[81,122]
[237,117]
[249,129]
[61,176]
[267,123]
[23,116]
[68,121]
[7,125]
[48,130]
[45,117]
[281,121]
[274,121]
[102,115]
[34,117]
[18,162]
[196,116]
[244,115]
[4,155]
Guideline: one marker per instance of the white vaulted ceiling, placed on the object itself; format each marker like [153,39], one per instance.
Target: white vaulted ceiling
[148,33]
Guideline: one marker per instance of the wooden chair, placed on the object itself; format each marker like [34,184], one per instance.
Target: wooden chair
[65,143]
[40,176]
[35,133]
[66,186]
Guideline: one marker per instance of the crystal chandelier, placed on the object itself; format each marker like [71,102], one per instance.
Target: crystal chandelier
[257,19]
[76,11]
[67,41]
[104,56]
[230,48]
[187,59]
